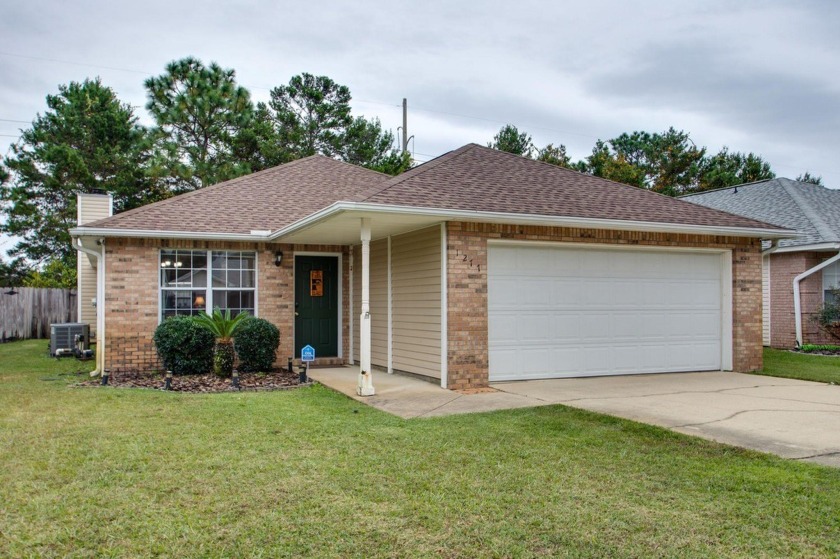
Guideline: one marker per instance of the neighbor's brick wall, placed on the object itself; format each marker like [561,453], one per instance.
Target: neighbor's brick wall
[467,288]
[132,300]
[784,268]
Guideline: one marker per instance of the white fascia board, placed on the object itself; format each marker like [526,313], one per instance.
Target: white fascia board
[154,234]
[532,219]
[817,247]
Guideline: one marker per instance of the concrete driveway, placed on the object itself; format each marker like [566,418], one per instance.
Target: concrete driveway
[791,418]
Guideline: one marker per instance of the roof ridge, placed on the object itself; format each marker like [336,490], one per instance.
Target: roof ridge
[411,173]
[808,210]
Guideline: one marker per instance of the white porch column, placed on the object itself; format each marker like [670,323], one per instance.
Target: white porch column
[365,378]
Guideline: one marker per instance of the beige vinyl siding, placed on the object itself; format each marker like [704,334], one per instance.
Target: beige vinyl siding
[86,285]
[91,207]
[416,301]
[378,301]
[765,299]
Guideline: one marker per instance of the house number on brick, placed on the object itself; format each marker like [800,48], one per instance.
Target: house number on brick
[466,258]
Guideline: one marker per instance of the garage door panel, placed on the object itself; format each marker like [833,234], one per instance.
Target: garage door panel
[558,312]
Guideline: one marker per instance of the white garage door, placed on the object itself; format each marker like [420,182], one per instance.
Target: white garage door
[566,312]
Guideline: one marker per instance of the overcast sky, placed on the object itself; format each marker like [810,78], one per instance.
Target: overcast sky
[754,76]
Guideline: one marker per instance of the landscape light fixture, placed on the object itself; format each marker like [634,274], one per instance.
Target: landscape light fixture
[278,258]
[11,291]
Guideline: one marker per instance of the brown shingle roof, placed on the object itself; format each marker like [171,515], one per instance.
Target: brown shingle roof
[267,200]
[471,178]
[476,178]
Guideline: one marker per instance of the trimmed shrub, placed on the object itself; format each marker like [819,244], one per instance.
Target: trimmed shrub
[184,346]
[256,343]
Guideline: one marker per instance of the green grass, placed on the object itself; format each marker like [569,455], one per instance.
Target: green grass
[104,472]
[789,364]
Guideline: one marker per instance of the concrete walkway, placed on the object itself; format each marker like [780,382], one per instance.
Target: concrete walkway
[790,418]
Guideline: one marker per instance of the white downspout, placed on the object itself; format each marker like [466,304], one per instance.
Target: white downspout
[100,303]
[797,304]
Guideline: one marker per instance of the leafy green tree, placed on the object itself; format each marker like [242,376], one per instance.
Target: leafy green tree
[511,140]
[311,114]
[809,178]
[555,155]
[56,273]
[87,140]
[729,169]
[200,111]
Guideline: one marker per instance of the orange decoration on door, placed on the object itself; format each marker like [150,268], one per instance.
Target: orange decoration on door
[316,283]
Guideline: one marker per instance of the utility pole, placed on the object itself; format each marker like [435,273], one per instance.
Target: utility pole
[405,126]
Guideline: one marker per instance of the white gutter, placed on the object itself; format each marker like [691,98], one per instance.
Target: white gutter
[100,302]
[531,219]
[262,236]
[819,247]
[797,304]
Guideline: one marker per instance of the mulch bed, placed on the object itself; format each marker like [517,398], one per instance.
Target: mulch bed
[278,379]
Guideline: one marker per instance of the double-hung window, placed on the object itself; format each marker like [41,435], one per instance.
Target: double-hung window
[831,281]
[192,281]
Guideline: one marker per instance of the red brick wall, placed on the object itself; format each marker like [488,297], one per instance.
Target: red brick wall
[132,300]
[467,288]
[784,268]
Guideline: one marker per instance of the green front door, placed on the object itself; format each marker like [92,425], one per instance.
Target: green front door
[316,304]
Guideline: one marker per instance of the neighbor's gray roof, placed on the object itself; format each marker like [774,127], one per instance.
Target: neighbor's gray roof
[813,211]
[472,178]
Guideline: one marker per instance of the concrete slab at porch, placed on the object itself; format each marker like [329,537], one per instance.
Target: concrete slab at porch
[409,397]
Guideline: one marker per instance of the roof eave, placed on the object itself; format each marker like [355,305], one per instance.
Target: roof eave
[442,215]
[533,219]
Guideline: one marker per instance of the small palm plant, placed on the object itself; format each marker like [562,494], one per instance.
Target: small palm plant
[223,327]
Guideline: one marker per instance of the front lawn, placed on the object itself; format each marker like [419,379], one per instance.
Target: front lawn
[309,473]
[803,366]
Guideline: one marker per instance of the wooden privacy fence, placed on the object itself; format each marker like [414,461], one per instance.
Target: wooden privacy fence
[29,312]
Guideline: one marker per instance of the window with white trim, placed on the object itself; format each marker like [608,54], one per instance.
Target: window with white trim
[184,288]
[831,280]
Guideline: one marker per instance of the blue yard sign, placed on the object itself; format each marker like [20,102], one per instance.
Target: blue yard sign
[307,353]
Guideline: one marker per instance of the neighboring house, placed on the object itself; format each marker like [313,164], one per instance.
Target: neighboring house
[477,266]
[798,273]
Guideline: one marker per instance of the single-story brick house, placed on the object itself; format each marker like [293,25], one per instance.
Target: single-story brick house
[799,272]
[474,267]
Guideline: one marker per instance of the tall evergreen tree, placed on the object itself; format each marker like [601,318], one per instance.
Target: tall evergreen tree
[511,140]
[312,114]
[87,140]
[200,112]
[809,178]
[727,168]
[556,155]
[364,143]
[669,160]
